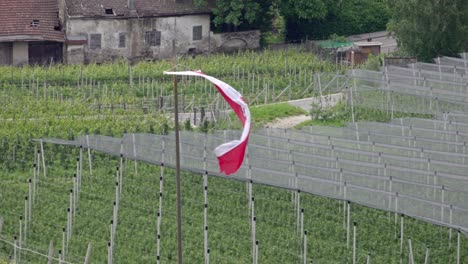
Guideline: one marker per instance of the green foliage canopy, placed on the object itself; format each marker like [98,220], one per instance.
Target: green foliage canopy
[427,29]
[329,17]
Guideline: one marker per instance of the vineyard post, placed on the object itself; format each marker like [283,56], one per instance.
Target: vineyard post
[134,153]
[88,254]
[89,156]
[109,253]
[51,253]
[410,255]
[254,220]
[75,195]
[15,245]
[344,203]
[60,256]
[68,226]
[348,220]
[401,237]
[71,198]
[205,210]
[43,159]
[368,258]
[442,206]
[256,252]
[426,257]
[25,218]
[396,215]
[298,209]
[111,244]
[302,221]
[80,175]
[29,199]
[161,185]
[114,216]
[121,174]
[116,206]
[320,90]
[20,238]
[458,247]
[63,242]
[1,224]
[450,229]
[305,246]
[354,242]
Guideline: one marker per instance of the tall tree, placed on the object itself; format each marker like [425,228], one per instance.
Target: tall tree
[230,15]
[429,28]
[318,19]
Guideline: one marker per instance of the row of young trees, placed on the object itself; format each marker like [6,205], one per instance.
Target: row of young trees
[425,29]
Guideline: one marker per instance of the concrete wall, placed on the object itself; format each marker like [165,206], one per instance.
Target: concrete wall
[236,40]
[6,52]
[171,28]
[20,53]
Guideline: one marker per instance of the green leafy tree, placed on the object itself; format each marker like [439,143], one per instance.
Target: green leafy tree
[427,29]
[318,19]
[232,15]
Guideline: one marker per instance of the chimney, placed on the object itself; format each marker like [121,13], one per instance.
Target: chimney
[131,5]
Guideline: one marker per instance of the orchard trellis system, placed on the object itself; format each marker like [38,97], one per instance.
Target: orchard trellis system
[409,167]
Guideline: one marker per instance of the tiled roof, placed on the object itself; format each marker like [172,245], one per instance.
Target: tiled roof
[16,18]
[97,8]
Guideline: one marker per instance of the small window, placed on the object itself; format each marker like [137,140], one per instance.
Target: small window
[35,23]
[95,41]
[153,38]
[122,40]
[109,11]
[197,32]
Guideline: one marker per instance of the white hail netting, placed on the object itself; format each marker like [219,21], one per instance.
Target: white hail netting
[414,166]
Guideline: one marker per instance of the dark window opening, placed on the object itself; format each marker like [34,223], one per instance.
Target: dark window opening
[197,33]
[153,38]
[95,41]
[109,11]
[122,40]
[35,23]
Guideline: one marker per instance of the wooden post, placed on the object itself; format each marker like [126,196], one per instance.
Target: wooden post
[178,185]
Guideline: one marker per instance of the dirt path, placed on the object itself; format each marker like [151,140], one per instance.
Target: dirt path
[288,122]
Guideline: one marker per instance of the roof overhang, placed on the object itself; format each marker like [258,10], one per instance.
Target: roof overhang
[26,38]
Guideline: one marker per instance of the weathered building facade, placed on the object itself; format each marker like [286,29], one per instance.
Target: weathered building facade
[97,31]
[30,32]
[105,30]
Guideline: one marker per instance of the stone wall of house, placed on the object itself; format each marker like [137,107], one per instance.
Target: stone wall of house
[226,42]
[111,39]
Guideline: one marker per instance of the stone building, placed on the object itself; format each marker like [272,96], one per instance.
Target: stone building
[97,31]
[30,32]
[103,30]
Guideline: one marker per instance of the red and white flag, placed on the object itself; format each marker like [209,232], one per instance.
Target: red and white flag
[231,154]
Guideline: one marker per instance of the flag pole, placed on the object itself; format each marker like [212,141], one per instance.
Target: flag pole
[177,146]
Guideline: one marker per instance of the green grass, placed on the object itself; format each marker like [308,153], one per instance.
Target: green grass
[268,113]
